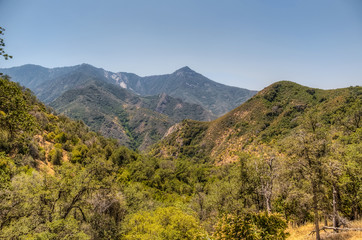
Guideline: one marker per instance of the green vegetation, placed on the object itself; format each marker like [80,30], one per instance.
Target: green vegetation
[163,223]
[61,181]
[251,226]
[289,155]
[299,151]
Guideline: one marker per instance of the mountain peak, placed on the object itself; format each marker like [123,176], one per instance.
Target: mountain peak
[85,65]
[185,69]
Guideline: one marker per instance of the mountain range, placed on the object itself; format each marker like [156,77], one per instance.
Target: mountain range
[135,110]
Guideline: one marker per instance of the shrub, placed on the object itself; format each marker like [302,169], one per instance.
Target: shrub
[60,138]
[55,156]
[163,223]
[79,153]
[50,136]
[251,227]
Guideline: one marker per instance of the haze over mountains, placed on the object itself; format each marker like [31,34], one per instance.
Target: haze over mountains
[135,110]
[184,83]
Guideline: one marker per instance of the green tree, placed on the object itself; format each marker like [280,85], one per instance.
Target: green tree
[76,203]
[14,115]
[311,151]
[55,156]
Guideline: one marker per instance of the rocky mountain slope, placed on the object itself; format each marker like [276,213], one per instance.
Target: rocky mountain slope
[190,86]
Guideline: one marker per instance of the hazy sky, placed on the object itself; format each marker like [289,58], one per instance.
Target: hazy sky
[244,43]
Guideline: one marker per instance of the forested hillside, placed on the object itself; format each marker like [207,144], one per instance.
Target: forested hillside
[136,122]
[294,163]
[58,180]
[295,150]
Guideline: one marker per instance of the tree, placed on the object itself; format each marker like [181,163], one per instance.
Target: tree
[2,45]
[14,108]
[310,150]
[76,203]
[266,168]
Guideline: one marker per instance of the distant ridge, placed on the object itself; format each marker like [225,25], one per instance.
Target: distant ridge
[189,86]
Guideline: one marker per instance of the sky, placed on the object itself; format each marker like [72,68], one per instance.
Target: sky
[243,43]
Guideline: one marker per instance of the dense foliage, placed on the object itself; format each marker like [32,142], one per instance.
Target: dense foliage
[163,223]
[58,180]
[298,150]
[251,227]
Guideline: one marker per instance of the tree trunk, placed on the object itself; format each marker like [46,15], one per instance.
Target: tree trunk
[268,204]
[315,208]
[335,223]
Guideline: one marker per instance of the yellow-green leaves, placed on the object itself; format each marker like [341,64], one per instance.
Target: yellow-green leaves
[168,223]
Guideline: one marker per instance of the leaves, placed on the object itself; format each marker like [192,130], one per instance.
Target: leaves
[2,45]
[163,223]
[251,227]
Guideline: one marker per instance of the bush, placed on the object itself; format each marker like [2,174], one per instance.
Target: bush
[4,139]
[50,136]
[6,170]
[251,227]
[163,223]
[79,153]
[55,156]
[60,138]
[123,155]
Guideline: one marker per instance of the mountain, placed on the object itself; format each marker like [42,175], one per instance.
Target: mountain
[189,86]
[274,114]
[50,83]
[86,93]
[135,121]
[186,84]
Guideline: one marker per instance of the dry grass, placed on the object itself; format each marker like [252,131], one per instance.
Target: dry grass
[303,232]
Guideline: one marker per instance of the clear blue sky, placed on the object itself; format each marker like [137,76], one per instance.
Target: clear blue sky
[244,43]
